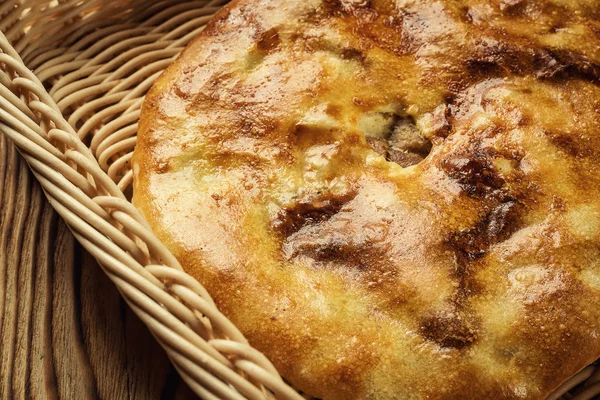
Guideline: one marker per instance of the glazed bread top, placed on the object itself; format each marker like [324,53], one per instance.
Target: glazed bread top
[391,199]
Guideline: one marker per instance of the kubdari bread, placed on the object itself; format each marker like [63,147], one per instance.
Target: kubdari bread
[391,199]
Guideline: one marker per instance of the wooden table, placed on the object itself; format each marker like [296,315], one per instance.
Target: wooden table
[64,330]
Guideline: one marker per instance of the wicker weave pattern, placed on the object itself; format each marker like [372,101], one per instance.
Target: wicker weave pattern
[97,59]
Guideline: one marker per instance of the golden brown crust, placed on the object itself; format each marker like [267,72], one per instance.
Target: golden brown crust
[261,163]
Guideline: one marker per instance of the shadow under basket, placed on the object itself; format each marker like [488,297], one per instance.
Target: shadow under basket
[72,80]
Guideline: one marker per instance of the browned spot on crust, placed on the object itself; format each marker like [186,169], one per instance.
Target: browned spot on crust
[515,8]
[336,243]
[309,211]
[353,54]
[450,329]
[495,226]
[563,64]
[470,245]
[344,240]
[474,172]
[572,146]
[268,41]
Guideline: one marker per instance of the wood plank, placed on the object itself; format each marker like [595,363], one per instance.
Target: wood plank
[64,330]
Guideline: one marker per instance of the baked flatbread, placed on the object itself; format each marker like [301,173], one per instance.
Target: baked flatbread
[391,199]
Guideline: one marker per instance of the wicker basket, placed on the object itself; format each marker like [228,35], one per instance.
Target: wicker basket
[72,80]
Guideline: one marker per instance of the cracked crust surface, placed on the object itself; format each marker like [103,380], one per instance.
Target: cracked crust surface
[391,199]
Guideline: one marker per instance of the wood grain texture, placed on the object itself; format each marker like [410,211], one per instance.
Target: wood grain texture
[65,333]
